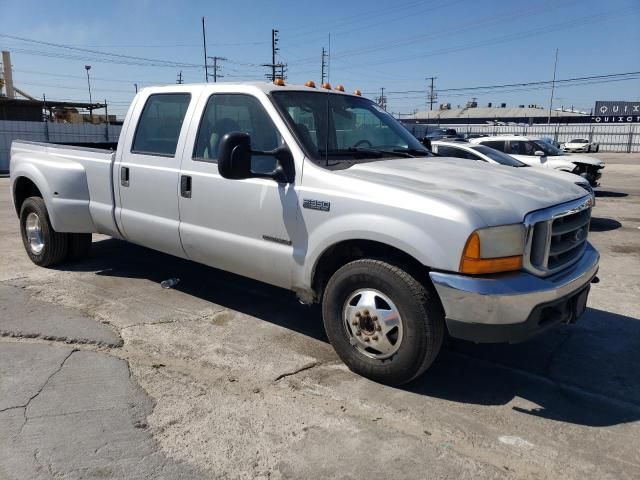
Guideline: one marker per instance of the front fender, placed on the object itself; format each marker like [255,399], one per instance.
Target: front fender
[395,232]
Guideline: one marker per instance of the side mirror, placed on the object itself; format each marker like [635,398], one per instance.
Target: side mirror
[234,159]
[539,153]
[234,156]
[427,143]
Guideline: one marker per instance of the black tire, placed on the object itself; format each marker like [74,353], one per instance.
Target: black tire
[79,246]
[420,311]
[597,148]
[589,149]
[55,244]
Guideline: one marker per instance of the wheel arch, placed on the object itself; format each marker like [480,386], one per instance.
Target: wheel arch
[340,253]
[23,188]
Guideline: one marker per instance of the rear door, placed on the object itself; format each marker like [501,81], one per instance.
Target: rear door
[148,171]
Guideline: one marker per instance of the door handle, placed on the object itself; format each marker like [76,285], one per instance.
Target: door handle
[124,176]
[185,186]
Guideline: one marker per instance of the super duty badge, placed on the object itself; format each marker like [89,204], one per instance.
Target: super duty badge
[316,205]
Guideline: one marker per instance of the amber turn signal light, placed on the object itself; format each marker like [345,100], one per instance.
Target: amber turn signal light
[471,262]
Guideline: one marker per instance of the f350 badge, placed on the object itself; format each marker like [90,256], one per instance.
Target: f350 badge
[316,205]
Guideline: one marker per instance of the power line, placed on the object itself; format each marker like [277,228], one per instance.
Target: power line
[102,53]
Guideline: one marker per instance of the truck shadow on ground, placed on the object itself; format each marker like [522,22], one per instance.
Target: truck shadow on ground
[600,224]
[587,373]
[610,194]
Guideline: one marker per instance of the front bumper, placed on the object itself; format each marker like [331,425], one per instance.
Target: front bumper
[512,307]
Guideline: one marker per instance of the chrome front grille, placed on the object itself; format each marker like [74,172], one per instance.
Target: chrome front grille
[556,237]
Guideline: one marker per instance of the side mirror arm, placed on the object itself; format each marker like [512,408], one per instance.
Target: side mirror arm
[284,171]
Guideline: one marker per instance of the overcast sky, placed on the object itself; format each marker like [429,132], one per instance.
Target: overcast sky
[376,44]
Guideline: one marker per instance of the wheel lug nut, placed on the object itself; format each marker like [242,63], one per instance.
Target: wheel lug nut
[366,312]
[366,339]
[378,328]
[358,314]
[358,333]
[354,323]
[374,318]
[375,337]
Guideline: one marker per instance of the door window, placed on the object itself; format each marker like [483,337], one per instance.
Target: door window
[226,113]
[522,147]
[495,144]
[457,153]
[160,124]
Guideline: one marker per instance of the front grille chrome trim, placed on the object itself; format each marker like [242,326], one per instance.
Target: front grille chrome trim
[539,229]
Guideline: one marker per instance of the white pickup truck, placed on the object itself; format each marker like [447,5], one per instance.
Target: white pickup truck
[324,193]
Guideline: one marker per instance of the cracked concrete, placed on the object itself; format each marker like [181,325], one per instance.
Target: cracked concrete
[222,377]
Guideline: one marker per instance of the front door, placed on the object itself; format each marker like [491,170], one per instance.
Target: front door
[148,172]
[248,227]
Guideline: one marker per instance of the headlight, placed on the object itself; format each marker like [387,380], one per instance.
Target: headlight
[493,249]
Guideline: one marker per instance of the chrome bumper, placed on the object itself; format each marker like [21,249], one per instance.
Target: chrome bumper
[513,306]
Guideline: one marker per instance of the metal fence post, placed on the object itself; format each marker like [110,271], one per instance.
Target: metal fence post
[630,142]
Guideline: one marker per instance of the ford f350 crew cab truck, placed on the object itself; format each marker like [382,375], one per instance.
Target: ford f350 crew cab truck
[323,193]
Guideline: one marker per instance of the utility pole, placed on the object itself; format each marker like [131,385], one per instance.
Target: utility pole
[274,50]
[324,65]
[382,100]
[432,95]
[553,87]
[216,67]
[204,43]
[179,80]
[87,68]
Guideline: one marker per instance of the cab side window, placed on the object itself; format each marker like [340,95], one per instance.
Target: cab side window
[160,123]
[226,113]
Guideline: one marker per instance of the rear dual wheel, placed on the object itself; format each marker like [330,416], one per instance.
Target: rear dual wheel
[384,323]
[44,246]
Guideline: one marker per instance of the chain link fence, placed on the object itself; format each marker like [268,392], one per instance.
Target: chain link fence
[623,138]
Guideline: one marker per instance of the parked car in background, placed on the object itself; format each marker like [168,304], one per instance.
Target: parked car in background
[396,247]
[431,132]
[538,153]
[580,145]
[483,153]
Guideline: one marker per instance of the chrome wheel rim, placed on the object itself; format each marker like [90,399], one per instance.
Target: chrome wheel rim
[373,323]
[34,233]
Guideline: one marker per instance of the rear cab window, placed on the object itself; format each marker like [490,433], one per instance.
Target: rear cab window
[160,123]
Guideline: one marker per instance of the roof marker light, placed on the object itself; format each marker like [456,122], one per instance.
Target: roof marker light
[326,85]
[279,82]
[340,88]
[310,83]
[357,92]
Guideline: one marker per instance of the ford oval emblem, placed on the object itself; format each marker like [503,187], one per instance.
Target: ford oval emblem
[579,235]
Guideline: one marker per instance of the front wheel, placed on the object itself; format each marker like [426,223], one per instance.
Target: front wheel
[382,321]
[43,244]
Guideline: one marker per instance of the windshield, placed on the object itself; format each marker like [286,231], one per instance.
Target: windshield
[548,149]
[342,128]
[497,156]
[579,140]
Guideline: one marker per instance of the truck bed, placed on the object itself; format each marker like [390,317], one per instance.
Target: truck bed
[77,184]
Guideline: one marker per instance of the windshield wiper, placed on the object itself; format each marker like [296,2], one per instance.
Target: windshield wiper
[413,152]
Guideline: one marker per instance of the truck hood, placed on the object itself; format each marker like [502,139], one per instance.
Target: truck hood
[497,194]
[577,158]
